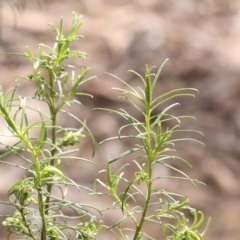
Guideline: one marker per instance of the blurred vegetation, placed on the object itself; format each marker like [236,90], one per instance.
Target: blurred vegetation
[16,6]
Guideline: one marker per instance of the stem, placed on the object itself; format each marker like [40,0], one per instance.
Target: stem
[139,227]
[49,186]
[40,197]
[41,210]
[27,225]
[54,137]
[150,159]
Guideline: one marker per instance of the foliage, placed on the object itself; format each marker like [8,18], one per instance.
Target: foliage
[155,146]
[39,213]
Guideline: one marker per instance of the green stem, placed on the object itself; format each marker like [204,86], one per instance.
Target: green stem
[40,197]
[49,186]
[139,227]
[41,210]
[30,233]
[149,184]
[54,138]
[54,133]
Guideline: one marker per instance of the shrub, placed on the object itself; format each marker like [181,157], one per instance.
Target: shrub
[39,214]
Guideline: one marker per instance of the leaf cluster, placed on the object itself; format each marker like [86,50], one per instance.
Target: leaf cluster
[155,145]
[39,214]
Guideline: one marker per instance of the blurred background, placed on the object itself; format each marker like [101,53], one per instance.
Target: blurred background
[202,41]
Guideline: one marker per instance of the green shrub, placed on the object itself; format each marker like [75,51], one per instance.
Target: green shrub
[39,214]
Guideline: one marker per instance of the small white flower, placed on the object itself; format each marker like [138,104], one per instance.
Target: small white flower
[22,102]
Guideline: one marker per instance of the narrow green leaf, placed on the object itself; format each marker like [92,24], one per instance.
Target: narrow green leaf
[43,134]
[148,89]
[125,154]
[158,74]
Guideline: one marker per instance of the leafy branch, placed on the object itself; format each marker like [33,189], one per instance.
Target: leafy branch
[155,144]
